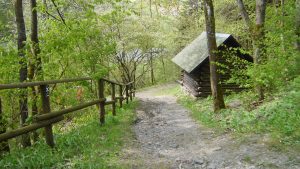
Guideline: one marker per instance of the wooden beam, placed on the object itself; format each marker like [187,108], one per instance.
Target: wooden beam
[38,83]
[68,110]
[112,82]
[29,128]
[49,82]
[109,102]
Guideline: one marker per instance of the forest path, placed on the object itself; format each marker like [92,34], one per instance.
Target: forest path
[167,137]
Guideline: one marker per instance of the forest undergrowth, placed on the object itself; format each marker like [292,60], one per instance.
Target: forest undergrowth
[80,143]
[277,117]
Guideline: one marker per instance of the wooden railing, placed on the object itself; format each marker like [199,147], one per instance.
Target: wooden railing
[47,117]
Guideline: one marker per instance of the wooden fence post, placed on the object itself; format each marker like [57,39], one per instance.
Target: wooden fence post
[46,109]
[133,84]
[4,147]
[130,91]
[25,138]
[121,95]
[102,104]
[127,94]
[113,98]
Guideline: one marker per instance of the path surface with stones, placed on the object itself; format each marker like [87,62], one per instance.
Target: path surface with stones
[167,137]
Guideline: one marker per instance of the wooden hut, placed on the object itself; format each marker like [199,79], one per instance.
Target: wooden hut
[194,62]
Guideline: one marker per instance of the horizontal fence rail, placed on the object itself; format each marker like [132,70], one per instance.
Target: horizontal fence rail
[38,83]
[46,117]
[68,110]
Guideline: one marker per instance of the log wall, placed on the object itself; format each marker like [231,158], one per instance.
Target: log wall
[198,81]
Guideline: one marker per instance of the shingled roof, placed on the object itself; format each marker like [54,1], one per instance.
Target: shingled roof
[196,52]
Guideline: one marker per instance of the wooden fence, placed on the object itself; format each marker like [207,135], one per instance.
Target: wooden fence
[47,117]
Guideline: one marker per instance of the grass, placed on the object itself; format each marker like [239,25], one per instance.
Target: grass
[83,143]
[278,116]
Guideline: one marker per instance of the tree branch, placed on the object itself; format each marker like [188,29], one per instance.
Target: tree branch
[52,16]
[59,13]
[244,13]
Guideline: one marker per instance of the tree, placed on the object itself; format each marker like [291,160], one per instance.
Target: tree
[257,33]
[35,61]
[213,58]
[23,67]
[128,63]
[298,24]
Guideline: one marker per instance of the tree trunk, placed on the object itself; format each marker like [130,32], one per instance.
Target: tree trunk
[134,80]
[141,6]
[244,14]
[258,39]
[298,24]
[164,67]
[35,62]
[25,141]
[4,146]
[156,8]
[150,7]
[212,51]
[152,69]
[277,5]
[257,34]
[282,25]
[35,40]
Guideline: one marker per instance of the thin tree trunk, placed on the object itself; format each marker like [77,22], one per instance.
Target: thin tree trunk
[244,14]
[282,25]
[164,68]
[36,60]
[151,69]
[156,8]
[298,24]
[212,51]
[141,6]
[277,5]
[134,79]
[4,146]
[25,141]
[150,7]
[257,33]
[258,39]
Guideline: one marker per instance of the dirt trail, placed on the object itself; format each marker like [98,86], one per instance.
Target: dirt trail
[167,137]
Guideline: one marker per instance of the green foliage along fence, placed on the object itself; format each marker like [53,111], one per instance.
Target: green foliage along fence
[46,118]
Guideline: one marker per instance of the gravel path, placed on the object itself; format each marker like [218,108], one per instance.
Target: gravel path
[167,137]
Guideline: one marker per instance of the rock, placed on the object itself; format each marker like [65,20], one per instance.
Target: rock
[198,161]
[174,145]
[217,149]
